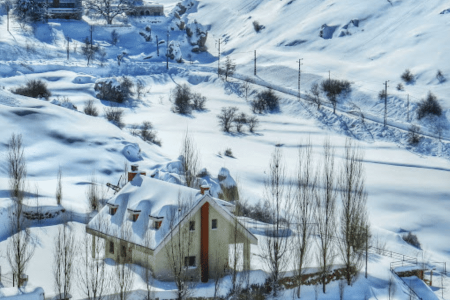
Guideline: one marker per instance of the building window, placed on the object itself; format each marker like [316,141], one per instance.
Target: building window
[192,225]
[214,224]
[135,217]
[112,210]
[158,224]
[189,261]
[123,251]
[111,247]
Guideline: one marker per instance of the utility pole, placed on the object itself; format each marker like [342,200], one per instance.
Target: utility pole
[254,72]
[91,30]
[385,102]
[167,51]
[367,246]
[299,75]
[68,46]
[218,59]
[7,16]
[157,46]
[329,77]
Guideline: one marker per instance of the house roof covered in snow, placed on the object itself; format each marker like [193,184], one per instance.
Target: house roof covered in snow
[152,199]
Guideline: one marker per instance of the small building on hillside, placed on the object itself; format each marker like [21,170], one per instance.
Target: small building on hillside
[167,227]
[146,8]
[63,9]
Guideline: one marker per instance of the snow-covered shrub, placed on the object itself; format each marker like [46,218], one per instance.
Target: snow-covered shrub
[265,101]
[114,37]
[34,89]
[198,101]
[239,121]
[333,88]
[184,100]
[114,114]
[400,87]
[90,109]
[114,90]
[257,26]
[64,102]
[411,239]
[259,211]
[407,76]
[252,123]
[429,106]
[28,11]
[413,135]
[440,76]
[148,134]
[181,99]
[226,117]
[228,152]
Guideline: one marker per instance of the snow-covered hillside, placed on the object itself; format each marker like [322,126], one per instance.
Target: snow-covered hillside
[365,42]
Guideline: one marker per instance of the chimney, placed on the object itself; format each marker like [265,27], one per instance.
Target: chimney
[204,188]
[134,171]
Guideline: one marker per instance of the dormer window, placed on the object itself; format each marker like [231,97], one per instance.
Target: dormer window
[157,224]
[112,209]
[157,221]
[134,214]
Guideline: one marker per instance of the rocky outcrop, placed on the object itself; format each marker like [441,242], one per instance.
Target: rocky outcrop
[197,36]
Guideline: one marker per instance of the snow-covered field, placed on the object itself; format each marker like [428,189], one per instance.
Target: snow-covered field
[408,186]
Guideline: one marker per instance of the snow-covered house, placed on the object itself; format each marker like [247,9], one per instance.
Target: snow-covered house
[63,9]
[147,8]
[149,220]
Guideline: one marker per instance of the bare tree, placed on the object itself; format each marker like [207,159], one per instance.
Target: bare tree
[219,269]
[93,193]
[245,87]
[190,160]
[108,9]
[139,89]
[93,278]
[20,250]
[304,208]
[123,270]
[226,117]
[315,91]
[278,196]
[148,269]
[235,257]
[17,168]
[391,287]
[229,69]
[353,215]
[123,180]
[36,197]
[63,261]
[58,193]
[325,216]
[178,250]
[252,123]
[89,50]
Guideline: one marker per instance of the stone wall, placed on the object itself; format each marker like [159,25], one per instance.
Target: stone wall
[312,278]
